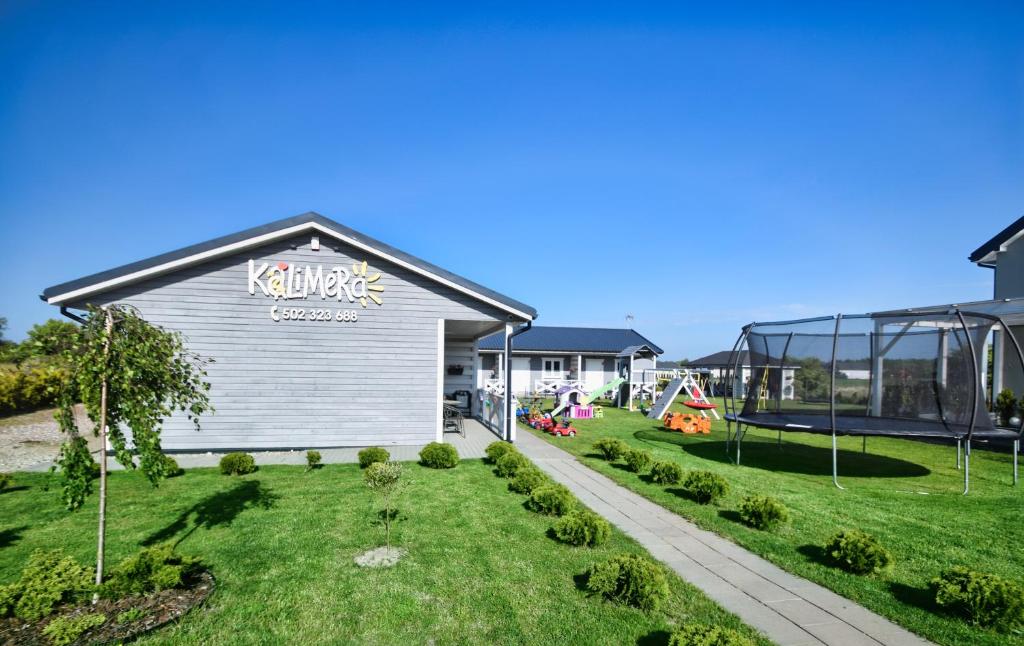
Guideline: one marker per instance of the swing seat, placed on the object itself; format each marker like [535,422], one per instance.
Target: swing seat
[700,405]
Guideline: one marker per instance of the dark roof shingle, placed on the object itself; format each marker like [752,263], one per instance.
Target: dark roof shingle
[570,339]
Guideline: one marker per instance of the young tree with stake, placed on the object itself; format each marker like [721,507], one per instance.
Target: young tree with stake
[129,374]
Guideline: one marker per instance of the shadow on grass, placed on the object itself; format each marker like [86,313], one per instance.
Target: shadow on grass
[11,536]
[580,581]
[731,514]
[216,510]
[13,489]
[815,554]
[796,458]
[922,598]
[657,638]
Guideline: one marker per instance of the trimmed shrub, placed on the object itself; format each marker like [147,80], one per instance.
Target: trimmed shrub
[150,570]
[551,500]
[510,464]
[171,468]
[982,599]
[527,479]
[693,634]
[313,460]
[371,455]
[130,616]
[48,580]
[497,449]
[66,630]
[439,456]
[29,387]
[666,472]
[857,552]
[629,579]
[638,460]
[763,512]
[5,480]
[705,486]
[237,464]
[582,527]
[611,448]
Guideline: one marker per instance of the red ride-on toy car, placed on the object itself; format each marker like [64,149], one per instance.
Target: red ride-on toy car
[544,423]
[563,430]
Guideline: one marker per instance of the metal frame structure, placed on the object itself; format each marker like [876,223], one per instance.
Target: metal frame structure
[963,440]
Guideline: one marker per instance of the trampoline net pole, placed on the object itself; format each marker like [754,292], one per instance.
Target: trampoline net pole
[967,466]
[974,399]
[832,403]
[957,454]
[1016,450]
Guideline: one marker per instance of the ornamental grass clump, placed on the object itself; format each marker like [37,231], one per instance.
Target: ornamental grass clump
[527,479]
[510,464]
[705,487]
[694,634]
[372,455]
[552,500]
[582,527]
[237,464]
[610,448]
[763,512]
[439,456]
[857,552]
[497,449]
[150,570]
[982,599]
[629,579]
[638,460]
[666,472]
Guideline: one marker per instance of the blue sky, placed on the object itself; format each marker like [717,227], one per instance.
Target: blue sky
[697,168]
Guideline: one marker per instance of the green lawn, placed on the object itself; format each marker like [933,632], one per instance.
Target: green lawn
[906,493]
[481,568]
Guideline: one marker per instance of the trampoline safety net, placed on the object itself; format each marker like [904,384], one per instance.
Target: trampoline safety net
[900,374]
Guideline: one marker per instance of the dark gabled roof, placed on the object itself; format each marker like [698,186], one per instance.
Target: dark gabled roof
[314,221]
[570,339]
[985,255]
[718,360]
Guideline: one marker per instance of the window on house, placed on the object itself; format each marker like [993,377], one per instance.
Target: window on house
[553,368]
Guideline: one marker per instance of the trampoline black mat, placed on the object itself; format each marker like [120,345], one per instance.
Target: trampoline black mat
[862,425]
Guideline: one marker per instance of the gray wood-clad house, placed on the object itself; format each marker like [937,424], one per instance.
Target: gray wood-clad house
[321,336]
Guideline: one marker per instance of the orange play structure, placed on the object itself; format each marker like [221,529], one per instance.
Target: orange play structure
[687,423]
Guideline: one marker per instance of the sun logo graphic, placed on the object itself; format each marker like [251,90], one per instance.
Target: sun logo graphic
[289,281]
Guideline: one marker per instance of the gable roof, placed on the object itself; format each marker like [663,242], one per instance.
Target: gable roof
[541,338]
[638,349]
[985,255]
[718,360]
[230,244]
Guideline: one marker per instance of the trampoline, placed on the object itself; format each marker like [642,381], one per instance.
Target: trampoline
[916,373]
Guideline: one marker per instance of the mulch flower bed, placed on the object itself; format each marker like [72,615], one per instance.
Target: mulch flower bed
[157,610]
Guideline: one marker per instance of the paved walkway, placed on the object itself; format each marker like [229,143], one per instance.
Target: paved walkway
[477,438]
[789,610]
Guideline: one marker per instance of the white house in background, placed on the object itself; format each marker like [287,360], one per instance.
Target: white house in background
[717,364]
[546,357]
[1004,254]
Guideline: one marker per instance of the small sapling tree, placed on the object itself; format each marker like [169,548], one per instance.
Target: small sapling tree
[385,480]
[130,374]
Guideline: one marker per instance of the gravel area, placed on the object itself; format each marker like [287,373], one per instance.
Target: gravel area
[32,440]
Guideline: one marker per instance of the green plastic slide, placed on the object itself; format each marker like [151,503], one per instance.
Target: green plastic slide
[611,385]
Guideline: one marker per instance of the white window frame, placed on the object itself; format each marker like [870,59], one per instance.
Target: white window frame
[550,374]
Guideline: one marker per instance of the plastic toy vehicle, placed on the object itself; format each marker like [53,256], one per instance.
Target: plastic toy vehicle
[563,430]
[544,423]
[687,423]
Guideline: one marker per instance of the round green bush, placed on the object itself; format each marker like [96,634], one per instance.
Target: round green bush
[313,459]
[171,468]
[763,512]
[439,456]
[982,599]
[666,472]
[638,460]
[497,449]
[371,455]
[611,448]
[693,634]
[629,579]
[582,527]
[705,487]
[527,479]
[509,464]
[858,552]
[5,480]
[551,500]
[237,464]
